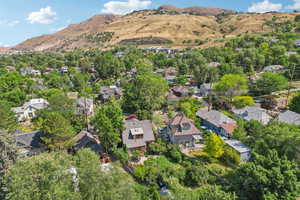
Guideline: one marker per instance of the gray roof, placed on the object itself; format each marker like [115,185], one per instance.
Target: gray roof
[237,145]
[86,140]
[253,113]
[84,102]
[215,117]
[206,86]
[109,91]
[289,117]
[127,137]
[273,68]
[31,139]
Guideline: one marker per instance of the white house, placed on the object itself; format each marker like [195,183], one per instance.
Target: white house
[84,106]
[243,150]
[253,113]
[29,70]
[27,111]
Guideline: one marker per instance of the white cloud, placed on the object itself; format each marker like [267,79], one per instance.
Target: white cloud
[43,16]
[124,7]
[264,6]
[3,45]
[295,6]
[10,23]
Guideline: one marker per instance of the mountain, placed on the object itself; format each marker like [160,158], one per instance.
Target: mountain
[166,26]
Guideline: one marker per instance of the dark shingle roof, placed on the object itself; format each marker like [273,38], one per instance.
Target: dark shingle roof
[31,139]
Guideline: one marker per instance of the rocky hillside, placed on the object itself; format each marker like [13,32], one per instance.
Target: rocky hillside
[166,26]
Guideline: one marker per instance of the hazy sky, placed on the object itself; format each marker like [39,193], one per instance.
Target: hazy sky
[23,19]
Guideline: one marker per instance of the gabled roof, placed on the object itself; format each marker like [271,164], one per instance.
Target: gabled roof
[180,89]
[127,137]
[218,119]
[86,139]
[30,139]
[273,68]
[214,64]
[181,125]
[253,113]
[289,117]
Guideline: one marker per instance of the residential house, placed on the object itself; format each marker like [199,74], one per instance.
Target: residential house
[138,134]
[289,117]
[86,140]
[180,91]
[170,79]
[290,53]
[205,89]
[85,106]
[253,113]
[297,42]
[214,64]
[274,68]
[243,150]
[72,95]
[10,68]
[29,144]
[182,131]
[170,71]
[217,122]
[160,71]
[30,71]
[27,111]
[107,92]
[64,70]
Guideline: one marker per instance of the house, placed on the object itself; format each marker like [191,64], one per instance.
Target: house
[274,68]
[138,134]
[64,70]
[38,87]
[217,122]
[243,150]
[160,71]
[170,71]
[182,131]
[170,79]
[289,117]
[290,53]
[10,68]
[72,95]
[107,92]
[29,143]
[214,64]
[30,71]
[253,113]
[27,111]
[205,89]
[297,42]
[86,140]
[180,91]
[84,106]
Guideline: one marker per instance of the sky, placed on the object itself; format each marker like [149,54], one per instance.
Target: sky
[23,19]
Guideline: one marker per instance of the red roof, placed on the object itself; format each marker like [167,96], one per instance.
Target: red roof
[228,127]
[132,117]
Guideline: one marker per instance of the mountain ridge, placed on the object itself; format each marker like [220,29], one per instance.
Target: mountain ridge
[179,29]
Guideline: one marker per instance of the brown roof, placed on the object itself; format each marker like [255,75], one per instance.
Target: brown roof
[171,70]
[228,127]
[181,125]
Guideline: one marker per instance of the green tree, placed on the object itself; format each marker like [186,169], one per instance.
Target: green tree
[243,101]
[58,132]
[270,82]
[231,85]
[41,177]
[197,176]
[214,145]
[8,119]
[146,92]
[108,120]
[294,105]
[8,149]
[268,177]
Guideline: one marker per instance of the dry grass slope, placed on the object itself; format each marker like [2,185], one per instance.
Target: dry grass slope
[182,29]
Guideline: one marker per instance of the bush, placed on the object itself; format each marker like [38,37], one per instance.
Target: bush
[243,101]
[230,156]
